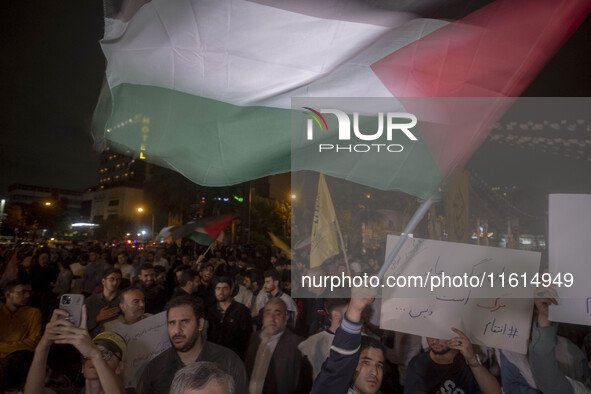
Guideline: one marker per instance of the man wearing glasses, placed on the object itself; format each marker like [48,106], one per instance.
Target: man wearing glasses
[20,325]
[104,307]
[102,357]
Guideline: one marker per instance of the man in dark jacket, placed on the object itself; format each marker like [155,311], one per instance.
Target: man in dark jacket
[155,294]
[273,361]
[229,321]
[355,365]
[184,316]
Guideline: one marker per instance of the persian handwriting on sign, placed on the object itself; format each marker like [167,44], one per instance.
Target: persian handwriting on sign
[469,292]
[501,328]
[450,299]
[497,305]
[424,313]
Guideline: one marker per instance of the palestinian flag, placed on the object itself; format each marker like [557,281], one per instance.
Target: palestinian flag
[205,87]
[203,231]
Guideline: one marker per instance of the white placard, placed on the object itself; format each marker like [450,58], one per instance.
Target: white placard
[145,340]
[494,316]
[569,252]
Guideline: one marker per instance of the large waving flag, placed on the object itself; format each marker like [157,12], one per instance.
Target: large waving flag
[205,87]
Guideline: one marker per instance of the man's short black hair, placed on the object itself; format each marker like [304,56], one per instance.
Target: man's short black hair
[224,279]
[124,291]
[195,303]
[146,266]
[109,271]
[12,284]
[181,267]
[188,275]
[273,274]
[204,266]
[331,303]
[367,341]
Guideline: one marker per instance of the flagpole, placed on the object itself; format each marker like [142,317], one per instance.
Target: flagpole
[412,224]
[209,247]
[336,222]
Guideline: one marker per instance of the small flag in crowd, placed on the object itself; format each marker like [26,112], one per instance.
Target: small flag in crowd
[203,231]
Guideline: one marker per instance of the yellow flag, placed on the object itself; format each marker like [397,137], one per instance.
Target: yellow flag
[280,244]
[324,234]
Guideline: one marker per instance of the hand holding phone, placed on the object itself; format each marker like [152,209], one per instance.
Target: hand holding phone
[72,303]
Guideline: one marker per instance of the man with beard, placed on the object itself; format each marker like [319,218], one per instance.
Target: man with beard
[204,289]
[185,323]
[229,321]
[187,283]
[449,366]
[20,325]
[132,305]
[104,307]
[155,294]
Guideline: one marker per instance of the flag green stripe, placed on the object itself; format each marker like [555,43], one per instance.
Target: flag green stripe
[200,238]
[237,143]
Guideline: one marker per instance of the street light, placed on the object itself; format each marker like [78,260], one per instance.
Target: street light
[141,210]
[47,203]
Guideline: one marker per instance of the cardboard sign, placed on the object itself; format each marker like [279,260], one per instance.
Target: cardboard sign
[569,254]
[145,340]
[483,304]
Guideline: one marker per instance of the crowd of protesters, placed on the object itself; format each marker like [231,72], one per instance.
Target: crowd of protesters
[235,328]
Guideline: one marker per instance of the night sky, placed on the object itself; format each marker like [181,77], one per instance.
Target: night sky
[53,67]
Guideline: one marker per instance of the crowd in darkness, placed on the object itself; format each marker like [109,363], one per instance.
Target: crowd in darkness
[235,328]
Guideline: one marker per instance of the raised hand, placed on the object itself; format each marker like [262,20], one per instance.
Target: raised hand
[544,297]
[463,344]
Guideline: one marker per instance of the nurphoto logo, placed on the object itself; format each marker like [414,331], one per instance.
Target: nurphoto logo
[395,122]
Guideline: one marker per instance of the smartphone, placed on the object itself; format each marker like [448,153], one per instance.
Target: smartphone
[72,303]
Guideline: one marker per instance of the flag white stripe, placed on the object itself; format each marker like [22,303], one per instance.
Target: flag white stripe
[245,53]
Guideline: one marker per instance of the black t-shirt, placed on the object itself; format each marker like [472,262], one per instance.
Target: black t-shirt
[426,376]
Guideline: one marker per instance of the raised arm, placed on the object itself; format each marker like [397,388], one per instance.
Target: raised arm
[80,339]
[36,376]
[338,370]
[542,349]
